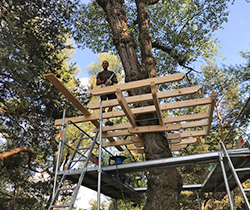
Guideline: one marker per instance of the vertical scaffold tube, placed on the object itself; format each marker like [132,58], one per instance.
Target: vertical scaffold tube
[226,181]
[59,153]
[100,160]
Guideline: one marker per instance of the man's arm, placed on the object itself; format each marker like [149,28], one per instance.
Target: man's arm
[115,79]
[98,80]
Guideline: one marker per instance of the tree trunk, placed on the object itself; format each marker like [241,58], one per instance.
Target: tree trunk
[164,185]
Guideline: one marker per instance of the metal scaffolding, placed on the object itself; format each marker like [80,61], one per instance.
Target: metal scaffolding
[230,165]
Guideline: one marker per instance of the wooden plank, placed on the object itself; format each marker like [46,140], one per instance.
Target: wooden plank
[139,144]
[174,141]
[116,143]
[139,151]
[59,86]
[124,105]
[178,147]
[146,97]
[137,84]
[135,148]
[114,127]
[173,127]
[165,120]
[115,134]
[136,139]
[187,141]
[154,128]
[186,134]
[156,102]
[211,110]
[140,110]
[52,78]
[186,118]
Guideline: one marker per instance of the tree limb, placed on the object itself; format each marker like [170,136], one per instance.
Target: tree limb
[151,2]
[31,154]
[15,151]
[175,56]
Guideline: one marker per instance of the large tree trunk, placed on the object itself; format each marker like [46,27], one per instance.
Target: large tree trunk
[164,185]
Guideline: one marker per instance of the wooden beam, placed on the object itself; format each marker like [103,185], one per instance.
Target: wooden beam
[174,141]
[187,141]
[165,120]
[211,110]
[59,86]
[156,102]
[186,118]
[115,134]
[135,148]
[139,144]
[162,128]
[115,127]
[124,105]
[116,143]
[178,147]
[141,110]
[186,134]
[146,97]
[137,84]
[136,139]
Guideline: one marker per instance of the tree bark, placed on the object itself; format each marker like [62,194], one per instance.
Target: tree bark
[164,185]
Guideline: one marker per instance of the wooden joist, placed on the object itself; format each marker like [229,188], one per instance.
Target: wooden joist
[114,127]
[177,147]
[138,84]
[146,97]
[186,134]
[116,143]
[173,127]
[165,120]
[116,133]
[187,141]
[186,118]
[59,86]
[135,148]
[141,110]
[210,111]
[156,102]
[124,105]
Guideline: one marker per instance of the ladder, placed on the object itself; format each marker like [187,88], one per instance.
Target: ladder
[235,176]
[79,156]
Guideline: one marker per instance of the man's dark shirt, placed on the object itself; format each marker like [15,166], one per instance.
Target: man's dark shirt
[104,75]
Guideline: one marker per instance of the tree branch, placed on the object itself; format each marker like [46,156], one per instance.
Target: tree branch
[31,154]
[151,2]
[175,56]
[15,151]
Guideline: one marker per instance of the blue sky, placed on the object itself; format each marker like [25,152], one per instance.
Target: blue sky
[235,37]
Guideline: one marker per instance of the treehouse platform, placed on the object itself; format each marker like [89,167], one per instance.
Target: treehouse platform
[180,131]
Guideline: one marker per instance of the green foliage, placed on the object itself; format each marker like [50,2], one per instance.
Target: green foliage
[184,28]
[34,41]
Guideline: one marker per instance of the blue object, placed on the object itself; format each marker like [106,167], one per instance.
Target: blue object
[118,159]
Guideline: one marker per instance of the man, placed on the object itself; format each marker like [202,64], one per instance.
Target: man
[106,78]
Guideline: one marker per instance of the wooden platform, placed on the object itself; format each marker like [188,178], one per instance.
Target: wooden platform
[180,130]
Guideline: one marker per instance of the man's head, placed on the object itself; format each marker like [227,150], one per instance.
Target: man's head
[105,65]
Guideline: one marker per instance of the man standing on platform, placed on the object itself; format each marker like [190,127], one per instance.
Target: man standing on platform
[106,78]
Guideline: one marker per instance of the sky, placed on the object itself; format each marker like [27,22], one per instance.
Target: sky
[235,37]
